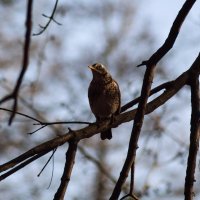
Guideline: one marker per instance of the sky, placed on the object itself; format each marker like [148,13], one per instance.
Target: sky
[66,58]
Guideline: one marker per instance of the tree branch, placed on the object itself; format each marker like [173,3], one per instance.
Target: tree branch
[145,92]
[95,128]
[23,164]
[69,163]
[169,42]
[194,137]
[51,18]
[153,91]
[14,94]
[21,114]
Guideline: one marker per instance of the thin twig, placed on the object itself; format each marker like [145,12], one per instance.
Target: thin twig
[44,124]
[145,92]
[47,162]
[51,173]
[194,137]
[65,122]
[38,129]
[22,114]
[50,18]
[131,194]
[27,41]
[51,157]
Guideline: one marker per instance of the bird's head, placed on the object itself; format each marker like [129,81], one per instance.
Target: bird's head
[98,69]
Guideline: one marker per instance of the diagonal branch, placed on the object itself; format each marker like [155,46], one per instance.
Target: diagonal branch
[21,114]
[22,165]
[153,91]
[145,92]
[14,94]
[194,137]
[173,34]
[69,163]
[95,128]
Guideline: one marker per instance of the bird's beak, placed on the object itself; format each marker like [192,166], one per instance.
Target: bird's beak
[92,68]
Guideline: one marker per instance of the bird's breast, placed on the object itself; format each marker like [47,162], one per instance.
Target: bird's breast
[104,98]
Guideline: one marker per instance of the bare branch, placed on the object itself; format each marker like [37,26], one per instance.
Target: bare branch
[153,91]
[132,196]
[50,18]
[145,92]
[173,34]
[95,128]
[194,137]
[14,94]
[38,129]
[47,162]
[22,114]
[69,163]
[23,164]
[44,124]
[65,122]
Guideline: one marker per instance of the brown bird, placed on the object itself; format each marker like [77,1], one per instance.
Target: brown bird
[104,96]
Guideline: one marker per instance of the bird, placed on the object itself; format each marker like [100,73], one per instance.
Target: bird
[104,96]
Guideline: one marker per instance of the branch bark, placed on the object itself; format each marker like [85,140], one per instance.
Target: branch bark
[194,137]
[70,159]
[93,129]
[145,92]
[27,41]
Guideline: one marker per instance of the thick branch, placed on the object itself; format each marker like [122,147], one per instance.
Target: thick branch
[93,129]
[146,87]
[70,159]
[194,137]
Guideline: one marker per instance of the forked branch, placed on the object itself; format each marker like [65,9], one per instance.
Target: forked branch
[145,92]
[50,19]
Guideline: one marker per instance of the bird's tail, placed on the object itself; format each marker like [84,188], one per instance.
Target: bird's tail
[106,134]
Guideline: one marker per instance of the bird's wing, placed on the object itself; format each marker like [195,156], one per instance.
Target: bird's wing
[119,96]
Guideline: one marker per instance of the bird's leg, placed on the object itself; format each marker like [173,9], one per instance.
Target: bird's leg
[113,119]
[98,119]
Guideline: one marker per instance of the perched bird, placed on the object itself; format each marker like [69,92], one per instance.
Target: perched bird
[104,96]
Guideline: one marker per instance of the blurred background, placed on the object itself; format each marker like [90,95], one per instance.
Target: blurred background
[119,34]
